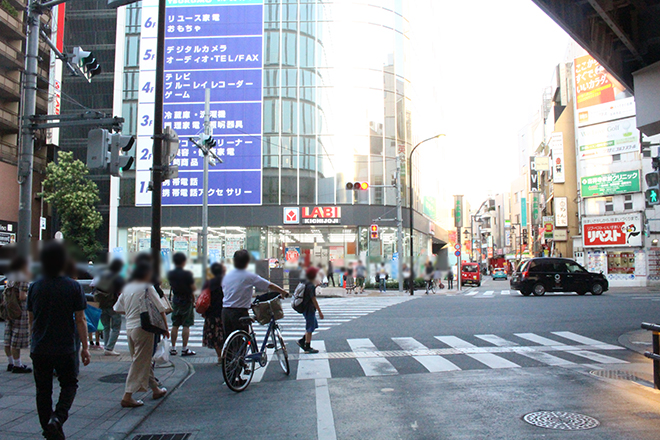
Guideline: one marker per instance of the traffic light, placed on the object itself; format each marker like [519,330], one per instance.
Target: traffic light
[207,140]
[119,162]
[170,150]
[86,63]
[652,194]
[357,186]
[524,236]
[374,232]
[98,141]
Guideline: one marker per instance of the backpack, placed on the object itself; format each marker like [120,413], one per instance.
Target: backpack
[10,305]
[104,290]
[298,300]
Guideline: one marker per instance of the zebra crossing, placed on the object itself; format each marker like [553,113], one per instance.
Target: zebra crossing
[336,311]
[448,353]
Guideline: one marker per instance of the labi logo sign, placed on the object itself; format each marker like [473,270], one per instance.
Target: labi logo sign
[312,215]
[291,216]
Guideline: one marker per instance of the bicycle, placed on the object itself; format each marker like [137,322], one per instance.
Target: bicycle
[241,356]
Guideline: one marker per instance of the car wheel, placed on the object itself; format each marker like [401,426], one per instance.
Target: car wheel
[525,293]
[597,289]
[538,289]
[478,284]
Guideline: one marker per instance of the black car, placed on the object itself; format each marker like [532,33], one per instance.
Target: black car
[540,275]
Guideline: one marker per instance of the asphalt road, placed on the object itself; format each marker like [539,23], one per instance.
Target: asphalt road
[464,366]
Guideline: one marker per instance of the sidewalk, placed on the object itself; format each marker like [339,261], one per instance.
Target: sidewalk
[338,292]
[96,413]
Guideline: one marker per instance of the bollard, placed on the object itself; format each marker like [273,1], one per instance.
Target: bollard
[655,355]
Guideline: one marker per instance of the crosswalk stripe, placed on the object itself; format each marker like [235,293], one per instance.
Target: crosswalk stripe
[582,339]
[496,340]
[434,364]
[313,368]
[472,293]
[488,293]
[538,339]
[488,359]
[597,357]
[544,358]
[371,366]
[506,292]
[259,372]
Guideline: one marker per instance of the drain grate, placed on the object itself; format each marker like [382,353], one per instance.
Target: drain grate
[179,436]
[621,375]
[561,420]
[114,378]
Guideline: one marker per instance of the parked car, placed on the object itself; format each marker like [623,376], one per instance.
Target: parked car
[470,274]
[540,275]
[499,274]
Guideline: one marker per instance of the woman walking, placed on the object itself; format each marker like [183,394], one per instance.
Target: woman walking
[140,342]
[17,330]
[213,335]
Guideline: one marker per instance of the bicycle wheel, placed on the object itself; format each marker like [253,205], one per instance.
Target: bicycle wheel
[237,370]
[280,350]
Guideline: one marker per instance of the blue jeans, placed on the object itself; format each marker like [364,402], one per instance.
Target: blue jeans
[381,285]
[111,321]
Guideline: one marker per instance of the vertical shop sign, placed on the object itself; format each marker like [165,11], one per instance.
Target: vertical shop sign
[561,212]
[557,150]
[533,175]
[458,211]
[214,44]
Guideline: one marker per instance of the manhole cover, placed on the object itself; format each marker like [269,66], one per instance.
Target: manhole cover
[621,375]
[180,436]
[114,378]
[565,421]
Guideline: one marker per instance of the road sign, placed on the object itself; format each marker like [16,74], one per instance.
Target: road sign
[457,246]
[457,253]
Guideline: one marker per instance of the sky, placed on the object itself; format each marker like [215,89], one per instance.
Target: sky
[493,60]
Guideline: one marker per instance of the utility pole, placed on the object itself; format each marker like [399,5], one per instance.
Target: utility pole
[399,223]
[205,206]
[458,263]
[26,157]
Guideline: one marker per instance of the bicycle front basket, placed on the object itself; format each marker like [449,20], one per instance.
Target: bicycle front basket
[264,310]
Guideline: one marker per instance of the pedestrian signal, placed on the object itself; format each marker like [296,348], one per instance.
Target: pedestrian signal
[652,194]
[374,232]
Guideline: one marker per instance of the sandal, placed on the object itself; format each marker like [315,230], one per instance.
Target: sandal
[131,404]
[159,393]
[173,352]
[188,352]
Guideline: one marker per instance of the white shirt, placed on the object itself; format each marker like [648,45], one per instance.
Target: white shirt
[237,288]
[130,302]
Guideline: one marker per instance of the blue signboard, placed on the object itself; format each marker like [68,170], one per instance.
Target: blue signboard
[216,44]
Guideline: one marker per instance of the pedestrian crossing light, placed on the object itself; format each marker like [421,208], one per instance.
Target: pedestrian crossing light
[86,63]
[357,186]
[374,232]
[652,194]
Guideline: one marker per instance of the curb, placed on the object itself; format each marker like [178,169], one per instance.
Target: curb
[123,428]
[633,341]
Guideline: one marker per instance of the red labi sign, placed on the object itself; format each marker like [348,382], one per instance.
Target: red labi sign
[322,212]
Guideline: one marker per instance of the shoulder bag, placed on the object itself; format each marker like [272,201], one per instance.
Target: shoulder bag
[150,318]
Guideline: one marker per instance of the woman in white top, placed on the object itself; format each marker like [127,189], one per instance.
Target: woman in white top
[140,342]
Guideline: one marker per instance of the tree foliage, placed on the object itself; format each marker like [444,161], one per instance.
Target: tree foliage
[74,197]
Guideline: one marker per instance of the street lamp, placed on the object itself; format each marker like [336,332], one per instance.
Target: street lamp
[410,187]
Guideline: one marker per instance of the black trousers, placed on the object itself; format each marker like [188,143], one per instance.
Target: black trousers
[450,283]
[65,366]
[230,320]
[331,277]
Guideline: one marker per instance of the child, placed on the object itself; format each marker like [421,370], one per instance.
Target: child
[311,305]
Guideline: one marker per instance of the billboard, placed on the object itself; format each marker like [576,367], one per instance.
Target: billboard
[608,138]
[612,230]
[610,184]
[557,150]
[215,44]
[599,96]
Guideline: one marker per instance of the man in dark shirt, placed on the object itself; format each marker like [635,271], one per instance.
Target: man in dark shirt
[52,303]
[310,305]
[183,303]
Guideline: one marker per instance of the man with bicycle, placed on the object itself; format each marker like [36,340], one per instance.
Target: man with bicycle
[237,287]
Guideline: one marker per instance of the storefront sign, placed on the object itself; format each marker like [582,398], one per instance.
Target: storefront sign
[458,211]
[291,216]
[560,235]
[292,254]
[557,150]
[608,138]
[599,96]
[533,175]
[561,212]
[429,206]
[232,245]
[609,184]
[542,163]
[181,244]
[548,226]
[7,232]
[325,215]
[209,44]
[613,230]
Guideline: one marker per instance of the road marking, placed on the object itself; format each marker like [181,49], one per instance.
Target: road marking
[488,293]
[544,358]
[371,366]
[314,368]
[506,292]
[597,357]
[583,339]
[325,421]
[434,364]
[488,359]
[538,339]
[259,372]
[472,293]
[497,341]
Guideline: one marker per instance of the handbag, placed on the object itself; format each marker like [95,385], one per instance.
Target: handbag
[166,304]
[150,318]
[204,301]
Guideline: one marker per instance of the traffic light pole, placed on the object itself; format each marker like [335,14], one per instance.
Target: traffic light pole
[26,157]
[205,207]
[157,153]
[399,224]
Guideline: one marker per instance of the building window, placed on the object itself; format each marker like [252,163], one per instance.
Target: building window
[628,202]
[616,158]
[609,204]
